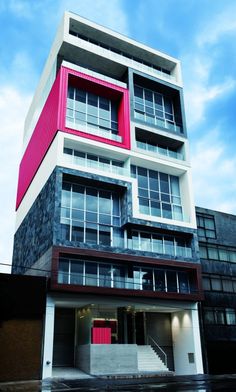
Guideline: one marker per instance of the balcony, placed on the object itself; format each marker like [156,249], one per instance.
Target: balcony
[159,150]
[158,122]
[92,130]
[95,164]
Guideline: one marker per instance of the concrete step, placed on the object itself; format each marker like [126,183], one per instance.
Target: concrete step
[148,360]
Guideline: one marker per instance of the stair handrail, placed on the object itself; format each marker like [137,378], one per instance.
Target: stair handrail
[159,348]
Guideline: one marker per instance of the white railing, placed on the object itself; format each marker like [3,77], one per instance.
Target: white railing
[163,123]
[96,165]
[87,128]
[159,150]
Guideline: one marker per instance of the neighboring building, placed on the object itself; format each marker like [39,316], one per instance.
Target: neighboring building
[105,206]
[22,313]
[217,240]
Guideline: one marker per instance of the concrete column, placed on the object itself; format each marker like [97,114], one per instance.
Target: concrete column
[48,338]
[186,342]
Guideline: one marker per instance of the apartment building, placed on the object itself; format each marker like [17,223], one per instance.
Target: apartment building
[105,207]
[217,241]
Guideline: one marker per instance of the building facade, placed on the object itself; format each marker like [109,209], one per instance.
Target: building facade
[105,207]
[217,241]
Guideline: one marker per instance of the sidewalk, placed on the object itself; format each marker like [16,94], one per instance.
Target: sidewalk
[148,381]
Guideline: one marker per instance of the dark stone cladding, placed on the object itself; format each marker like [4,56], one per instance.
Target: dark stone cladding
[165,85]
[35,234]
[125,190]
[40,228]
[225,225]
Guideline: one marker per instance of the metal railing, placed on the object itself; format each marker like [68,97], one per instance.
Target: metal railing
[157,349]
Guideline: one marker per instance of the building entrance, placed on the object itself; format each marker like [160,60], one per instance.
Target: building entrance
[64,337]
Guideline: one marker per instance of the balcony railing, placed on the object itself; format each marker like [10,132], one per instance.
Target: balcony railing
[96,165]
[159,122]
[90,129]
[126,282]
[169,250]
[159,150]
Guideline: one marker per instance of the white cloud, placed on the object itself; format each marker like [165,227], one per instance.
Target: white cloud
[220,25]
[13,106]
[213,173]
[106,13]
[199,93]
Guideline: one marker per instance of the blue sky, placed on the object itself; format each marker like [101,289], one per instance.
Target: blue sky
[201,33]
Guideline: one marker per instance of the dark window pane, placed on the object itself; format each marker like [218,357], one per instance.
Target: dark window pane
[171,281]
[105,275]
[183,282]
[91,274]
[77,233]
[105,202]
[104,235]
[63,272]
[159,280]
[118,276]
[147,279]
[76,272]
[91,233]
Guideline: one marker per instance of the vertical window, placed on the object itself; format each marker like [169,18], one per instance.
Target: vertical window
[155,108]
[158,193]
[171,281]
[206,226]
[105,275]
[230,316]
[92,113]
[90,215]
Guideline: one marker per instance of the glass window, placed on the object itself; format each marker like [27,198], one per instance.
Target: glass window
[230,316]
[232,256]
[147,279]
[87,108]
[213,253]
[76,272]
[105,275]
[223,255]
[91,274]
[206,226]
[216,284]
[209,316]
[160,284]
[145,242]
[227,285]
[104,235]
[219,316]
[206,283]
[156,106]
[118,277]
[63,272]
[157,241]
[171,281]
[203,252]
[183,282]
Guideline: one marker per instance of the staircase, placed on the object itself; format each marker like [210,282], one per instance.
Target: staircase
[149,361]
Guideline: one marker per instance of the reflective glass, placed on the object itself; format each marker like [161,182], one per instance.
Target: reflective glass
[76,272]
[91,274]
[105,275]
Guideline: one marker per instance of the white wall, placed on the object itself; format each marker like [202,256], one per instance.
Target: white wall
[186,339]
[48,338]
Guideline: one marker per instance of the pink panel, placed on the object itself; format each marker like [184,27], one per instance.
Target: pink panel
[41,139]
[53,118]
[101,335]
[107,89]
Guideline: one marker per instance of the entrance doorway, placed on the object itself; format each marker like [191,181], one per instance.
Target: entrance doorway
[131,326]
[64,337]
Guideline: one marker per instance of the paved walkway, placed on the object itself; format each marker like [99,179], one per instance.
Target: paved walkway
[146,382]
